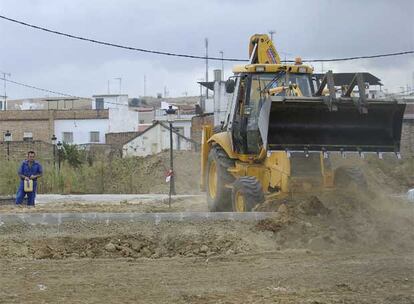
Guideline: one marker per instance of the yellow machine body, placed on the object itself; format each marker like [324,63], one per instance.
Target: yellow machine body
[287,117]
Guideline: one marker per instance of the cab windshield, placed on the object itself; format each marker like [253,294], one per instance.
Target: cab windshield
[263,82]
[259,85]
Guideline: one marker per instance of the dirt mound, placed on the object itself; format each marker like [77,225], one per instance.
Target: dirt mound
[117,240]
[148,174]
[342,219]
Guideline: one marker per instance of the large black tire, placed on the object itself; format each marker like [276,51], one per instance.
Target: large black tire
[348,176]
[218,199]
[247,193]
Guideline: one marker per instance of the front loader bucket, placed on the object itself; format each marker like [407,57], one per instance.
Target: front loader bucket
[308,124]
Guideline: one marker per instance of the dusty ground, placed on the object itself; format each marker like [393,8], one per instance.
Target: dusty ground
[178,203]
[315,250]
[347,246]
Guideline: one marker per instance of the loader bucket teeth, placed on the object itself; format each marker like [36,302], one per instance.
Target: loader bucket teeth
[306,124]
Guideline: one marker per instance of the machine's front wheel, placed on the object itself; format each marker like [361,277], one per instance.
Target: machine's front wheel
[218,195]
[247,193]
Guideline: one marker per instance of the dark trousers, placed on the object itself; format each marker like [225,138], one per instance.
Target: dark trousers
[30,195]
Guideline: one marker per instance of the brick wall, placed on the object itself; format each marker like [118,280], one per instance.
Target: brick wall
[41,122]
[18,150]
[41,129]
[119,139]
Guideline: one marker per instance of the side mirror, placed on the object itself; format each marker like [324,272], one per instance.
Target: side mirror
[230,84]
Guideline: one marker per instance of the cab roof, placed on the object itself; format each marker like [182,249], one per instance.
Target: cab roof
[272,68]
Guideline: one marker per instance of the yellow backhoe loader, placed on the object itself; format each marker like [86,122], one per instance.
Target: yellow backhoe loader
[279,131]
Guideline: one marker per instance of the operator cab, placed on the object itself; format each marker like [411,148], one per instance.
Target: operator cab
[251,91]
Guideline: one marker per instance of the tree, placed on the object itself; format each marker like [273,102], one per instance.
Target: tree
[73,155]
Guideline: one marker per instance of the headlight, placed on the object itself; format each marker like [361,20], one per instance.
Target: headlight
[260,68]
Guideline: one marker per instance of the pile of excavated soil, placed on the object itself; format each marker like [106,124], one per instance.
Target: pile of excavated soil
[132,240]
[152,169]
[342,218]
[366,213]
[336,220]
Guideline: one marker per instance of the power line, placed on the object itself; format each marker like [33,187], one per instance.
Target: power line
[191,56]
[39,89]
[116,45]
[360,57]
[55,92]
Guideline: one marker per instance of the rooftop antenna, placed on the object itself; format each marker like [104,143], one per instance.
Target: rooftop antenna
[206,44]
[222,64]
[272,32]
[5,94]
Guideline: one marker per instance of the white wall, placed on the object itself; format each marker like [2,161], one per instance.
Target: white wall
[121,118]
[81,129]
[153,141]
[221,101]
[181,120]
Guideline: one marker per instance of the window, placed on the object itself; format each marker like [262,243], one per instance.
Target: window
[27,136]
[99,103]
[67,137]
[1,105]
[94,136]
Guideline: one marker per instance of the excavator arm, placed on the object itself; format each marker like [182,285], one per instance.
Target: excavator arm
[262,50]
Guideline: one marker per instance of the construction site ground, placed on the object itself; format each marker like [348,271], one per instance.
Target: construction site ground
[350,245]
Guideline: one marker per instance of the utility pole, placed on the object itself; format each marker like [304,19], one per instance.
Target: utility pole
[271,32]
[206,44]
[109,91]
[222,65]
[5,93]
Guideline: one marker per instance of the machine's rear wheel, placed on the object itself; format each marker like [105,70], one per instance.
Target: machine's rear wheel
[218,196]
[247,193]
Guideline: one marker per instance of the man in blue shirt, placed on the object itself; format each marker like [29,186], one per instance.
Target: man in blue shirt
[29,170]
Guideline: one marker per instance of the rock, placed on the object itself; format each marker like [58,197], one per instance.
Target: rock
[230,252]
[204,249]
[127,252]
[308,225]
[282,209]
[137,246]
[313,206]
[110,247]
[90,253]
[43,253]
[146,252]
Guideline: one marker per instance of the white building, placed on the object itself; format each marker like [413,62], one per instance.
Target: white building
[182,122]
[81,131]
[154,140]
[112,115]
[121,118]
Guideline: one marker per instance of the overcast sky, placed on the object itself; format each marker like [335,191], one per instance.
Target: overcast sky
[310,29]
